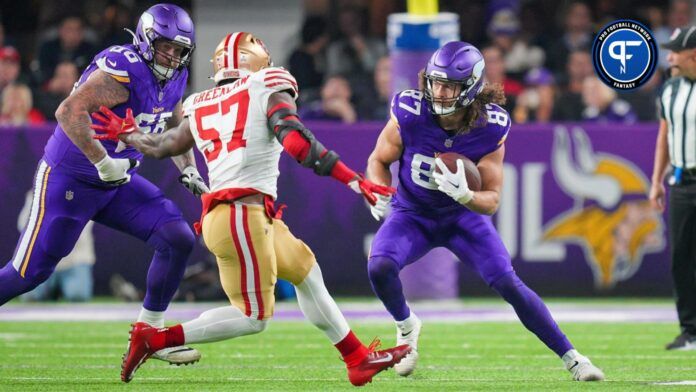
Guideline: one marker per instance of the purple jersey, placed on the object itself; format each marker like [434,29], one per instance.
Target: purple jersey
[152,106]
[423,139]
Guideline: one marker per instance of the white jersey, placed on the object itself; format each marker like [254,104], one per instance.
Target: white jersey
[230,126]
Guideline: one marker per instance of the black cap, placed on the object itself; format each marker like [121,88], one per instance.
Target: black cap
[681,38]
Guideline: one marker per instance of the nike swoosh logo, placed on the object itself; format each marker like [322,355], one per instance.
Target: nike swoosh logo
[574,365]
[407,333]
[113,63]
[388,358]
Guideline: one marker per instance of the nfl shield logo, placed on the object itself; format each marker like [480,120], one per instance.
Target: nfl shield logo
[159,97]
[69,195]
[448,143]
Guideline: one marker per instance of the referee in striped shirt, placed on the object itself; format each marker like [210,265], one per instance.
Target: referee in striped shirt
[676,149]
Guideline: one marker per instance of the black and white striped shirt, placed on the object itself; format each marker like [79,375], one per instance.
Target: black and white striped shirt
[678,108]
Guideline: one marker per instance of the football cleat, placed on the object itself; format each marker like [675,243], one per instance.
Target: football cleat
[581,368]
[138,349]
[375,361]
[178,356]
[408,364]
[683,342]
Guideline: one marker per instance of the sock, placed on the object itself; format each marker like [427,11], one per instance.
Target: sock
[154,318]
[167,337]
[532,312]
[320,308]
[384,278]
[408,324]
[571,356]
[222,323]
[352,350]
[173,242]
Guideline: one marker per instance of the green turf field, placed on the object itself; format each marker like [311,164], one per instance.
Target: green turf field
[293,356]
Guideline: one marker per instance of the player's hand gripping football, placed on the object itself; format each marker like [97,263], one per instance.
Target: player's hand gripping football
[192,180]
[112,126]
[370,190]
[453,184]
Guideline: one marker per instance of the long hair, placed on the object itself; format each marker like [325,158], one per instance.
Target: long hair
[475,114]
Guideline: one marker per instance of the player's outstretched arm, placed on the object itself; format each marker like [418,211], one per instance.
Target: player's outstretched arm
[186,162]
[301,144]
[100,89]
[175,141]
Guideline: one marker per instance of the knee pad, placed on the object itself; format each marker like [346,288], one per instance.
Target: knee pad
[175,235]
[380,268]
[257,325]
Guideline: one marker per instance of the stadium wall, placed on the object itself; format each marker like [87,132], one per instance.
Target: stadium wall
[574,213]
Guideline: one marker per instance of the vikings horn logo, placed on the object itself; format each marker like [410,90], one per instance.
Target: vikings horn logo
[611,218]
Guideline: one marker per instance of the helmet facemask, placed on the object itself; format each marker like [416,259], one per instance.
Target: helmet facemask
[176,63]
[164,24]
[444,106]
[459,66]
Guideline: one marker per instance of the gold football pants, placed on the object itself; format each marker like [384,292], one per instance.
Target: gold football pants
[252,250]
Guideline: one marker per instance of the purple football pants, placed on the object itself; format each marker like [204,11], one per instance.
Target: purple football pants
[406,236]
[61,207]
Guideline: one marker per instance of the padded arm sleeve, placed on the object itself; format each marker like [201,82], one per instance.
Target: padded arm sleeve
[299,141]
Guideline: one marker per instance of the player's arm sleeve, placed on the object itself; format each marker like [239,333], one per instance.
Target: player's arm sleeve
[300,143]
[117,62]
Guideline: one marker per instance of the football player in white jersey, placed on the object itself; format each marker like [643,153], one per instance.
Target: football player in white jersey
[241,126]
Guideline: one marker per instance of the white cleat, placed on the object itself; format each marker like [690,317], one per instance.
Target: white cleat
[180,355]
[581,368]
[407,332]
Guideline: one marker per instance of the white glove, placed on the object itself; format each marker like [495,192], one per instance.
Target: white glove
[381,207]
[192,180]
[114,171]
[453,184]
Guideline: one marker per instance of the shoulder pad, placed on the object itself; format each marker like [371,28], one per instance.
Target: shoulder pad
[498,121]
[120,62]
[406,105]
[276,79]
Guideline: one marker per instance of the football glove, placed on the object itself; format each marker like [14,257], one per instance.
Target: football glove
[114,171]
[368,189]
[192,180]
[453,185]
[381,207]
[112,126]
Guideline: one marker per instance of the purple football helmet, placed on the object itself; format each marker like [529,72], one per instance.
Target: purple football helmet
[455,63]
[164,22]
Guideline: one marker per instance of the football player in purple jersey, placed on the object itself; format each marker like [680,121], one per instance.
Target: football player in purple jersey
[81,179]
[454,111]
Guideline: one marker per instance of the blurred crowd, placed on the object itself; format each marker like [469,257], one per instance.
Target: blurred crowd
[45,46]
[539,50]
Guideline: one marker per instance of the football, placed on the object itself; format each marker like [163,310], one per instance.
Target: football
[473,177]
